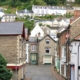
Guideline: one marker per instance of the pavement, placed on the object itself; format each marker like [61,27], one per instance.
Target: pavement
[39,72]
[42,73]
[56,74]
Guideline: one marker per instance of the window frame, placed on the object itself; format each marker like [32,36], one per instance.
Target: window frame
[33,47]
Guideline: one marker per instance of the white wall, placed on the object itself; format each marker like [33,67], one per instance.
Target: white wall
[74,57]
[27,49]
[37,30]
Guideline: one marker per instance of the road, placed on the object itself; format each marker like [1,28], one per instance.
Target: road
[39,72]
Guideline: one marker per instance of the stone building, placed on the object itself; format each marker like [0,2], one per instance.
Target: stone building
[46,50]
[12,47]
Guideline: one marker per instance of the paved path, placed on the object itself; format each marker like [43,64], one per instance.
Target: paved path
[56,74]
[39,72]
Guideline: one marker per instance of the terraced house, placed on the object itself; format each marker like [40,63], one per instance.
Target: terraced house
[12,47]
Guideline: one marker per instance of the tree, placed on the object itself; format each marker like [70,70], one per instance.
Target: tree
[5,73]
[78,1]
[51,2]
[29,24]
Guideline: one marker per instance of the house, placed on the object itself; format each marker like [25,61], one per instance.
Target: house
[48,10]
[69,59]
[63,52]
[75,58]
[51,26]
[1,12]
[46,53]
[70,0]
[8,18]
[13,47]
[23,13]
[33,50]
[37,31]
[75,51]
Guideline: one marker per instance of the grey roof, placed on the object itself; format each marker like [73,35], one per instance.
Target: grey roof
[25,11]
[33,39]
[10,15]
[8,28]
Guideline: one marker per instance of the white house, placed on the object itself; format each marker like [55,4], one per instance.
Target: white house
[63,23]
[75,59]
[70,0]
[8,17]
[25,12]
[36,31]
[48,10]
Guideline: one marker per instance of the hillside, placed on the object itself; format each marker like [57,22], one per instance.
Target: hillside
[21,4]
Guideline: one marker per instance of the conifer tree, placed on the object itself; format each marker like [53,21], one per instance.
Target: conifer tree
[5,73]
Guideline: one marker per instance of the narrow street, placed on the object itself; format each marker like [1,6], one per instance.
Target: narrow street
[39,72]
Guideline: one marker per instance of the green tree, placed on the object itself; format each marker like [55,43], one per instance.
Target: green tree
[51,2]
[29,24]
[78,1]
[5,73]
[38,2]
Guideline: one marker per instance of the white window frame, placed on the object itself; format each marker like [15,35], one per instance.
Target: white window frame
[47,41]
[64,51]
[33,47]
[47,48]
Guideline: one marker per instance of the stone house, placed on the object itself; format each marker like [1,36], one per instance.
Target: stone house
[33,50]
[46,50]
[12,47]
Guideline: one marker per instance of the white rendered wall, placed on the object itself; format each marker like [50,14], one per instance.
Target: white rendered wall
[74,57]
[37,30]
[27,49]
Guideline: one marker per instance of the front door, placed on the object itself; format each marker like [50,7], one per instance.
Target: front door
[33,58]
[47,59]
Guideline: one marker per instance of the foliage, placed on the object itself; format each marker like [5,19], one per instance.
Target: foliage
[29,24]
[68,15]
[21,4]
[8,10]
[50,17]
[5,73]
[40,24]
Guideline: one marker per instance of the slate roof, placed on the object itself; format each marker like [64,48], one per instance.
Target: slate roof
[46,36]
[10,15]
[23,11]
[8,28]
[33,39]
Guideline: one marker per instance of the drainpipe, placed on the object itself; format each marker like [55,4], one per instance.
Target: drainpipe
[78,63]
[67,55]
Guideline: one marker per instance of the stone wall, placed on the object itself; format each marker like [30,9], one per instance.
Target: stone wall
[43,45]
[75,29]
[8,48]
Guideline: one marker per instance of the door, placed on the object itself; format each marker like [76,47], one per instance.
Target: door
[72,73]
[33,58]
[47,59]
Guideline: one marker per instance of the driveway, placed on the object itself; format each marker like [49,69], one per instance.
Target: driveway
[39,72]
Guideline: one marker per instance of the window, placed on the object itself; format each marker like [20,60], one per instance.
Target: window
[33,47]
[47,50]
[47,41]
[64,51]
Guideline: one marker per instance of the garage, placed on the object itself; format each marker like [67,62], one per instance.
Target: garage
[47,59]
